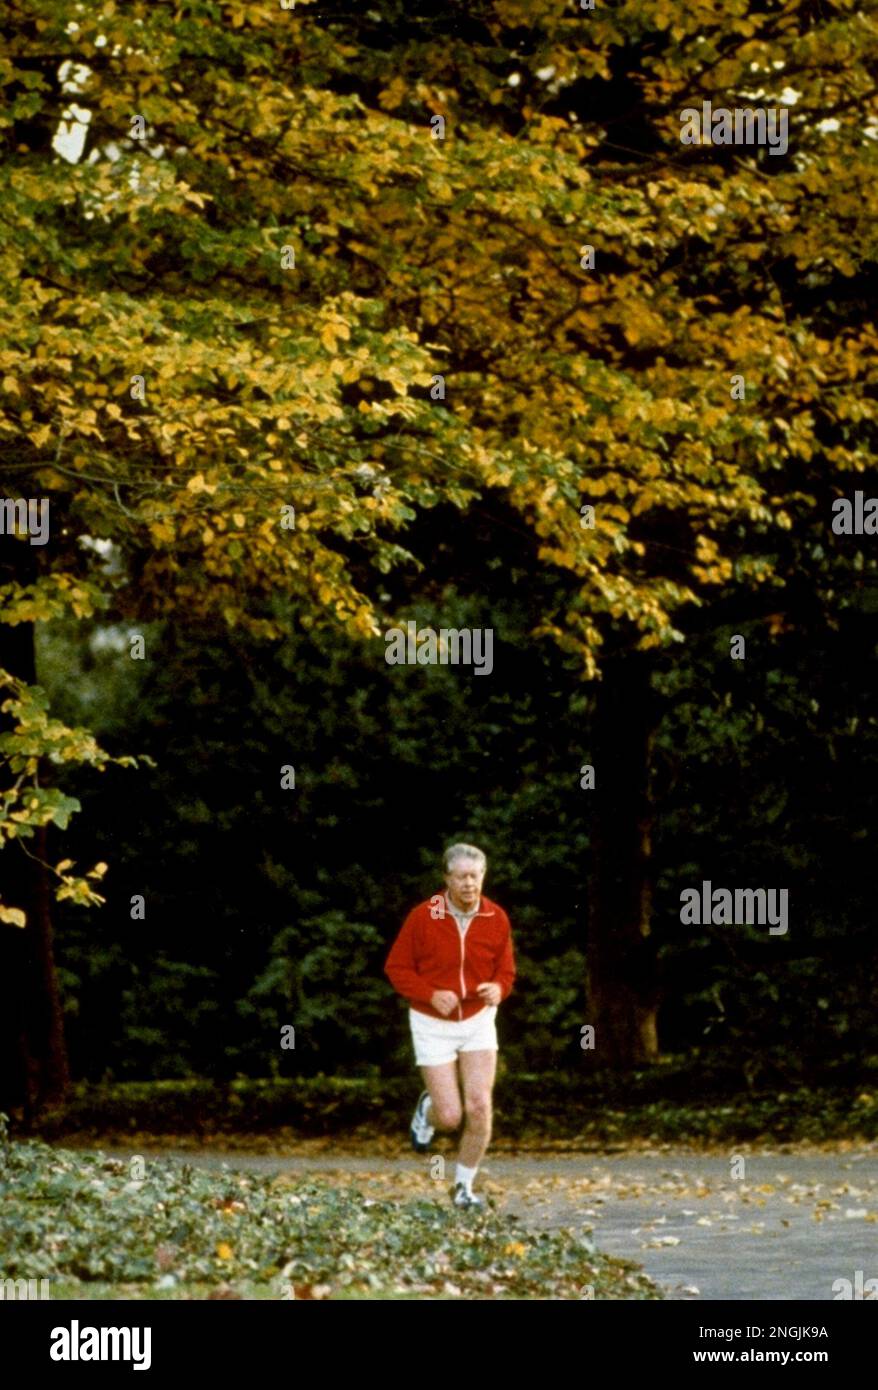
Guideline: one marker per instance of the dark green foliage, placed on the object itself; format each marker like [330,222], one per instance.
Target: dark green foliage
[280,905]
[677,1102]
[269,907]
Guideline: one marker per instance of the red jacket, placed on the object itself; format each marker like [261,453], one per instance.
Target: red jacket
[429,954]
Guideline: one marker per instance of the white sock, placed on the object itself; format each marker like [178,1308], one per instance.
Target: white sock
[465,1176]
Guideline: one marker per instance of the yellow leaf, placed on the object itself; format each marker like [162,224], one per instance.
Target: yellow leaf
[13,916]
[224,1251]
[393,94]
[331,332]
[64,864]
[239,519]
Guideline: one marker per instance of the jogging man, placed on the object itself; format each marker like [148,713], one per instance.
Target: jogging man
[453,962]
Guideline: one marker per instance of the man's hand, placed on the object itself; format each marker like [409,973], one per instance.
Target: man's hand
[444,1001]
[491,993]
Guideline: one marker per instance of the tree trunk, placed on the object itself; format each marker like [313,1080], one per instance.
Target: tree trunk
[622,986]
[34,1069]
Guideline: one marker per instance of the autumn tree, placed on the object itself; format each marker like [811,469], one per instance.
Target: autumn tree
[314,270]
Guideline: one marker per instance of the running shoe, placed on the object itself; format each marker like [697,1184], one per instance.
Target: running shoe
[462,1197]
[421,1132]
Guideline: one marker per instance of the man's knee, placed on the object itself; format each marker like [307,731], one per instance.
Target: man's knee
[446,1115]
[478,1111]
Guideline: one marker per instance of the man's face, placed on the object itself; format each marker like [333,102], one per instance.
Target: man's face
[464,881]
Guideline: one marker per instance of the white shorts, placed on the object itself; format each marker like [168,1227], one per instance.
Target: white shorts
[438,1040]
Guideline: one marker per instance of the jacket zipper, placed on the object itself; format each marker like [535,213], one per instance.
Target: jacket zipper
[462,951]
[462,934]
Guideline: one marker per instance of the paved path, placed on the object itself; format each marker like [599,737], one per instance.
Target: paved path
[787,1228]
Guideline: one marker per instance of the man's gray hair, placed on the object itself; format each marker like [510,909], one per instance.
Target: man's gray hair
[461,851]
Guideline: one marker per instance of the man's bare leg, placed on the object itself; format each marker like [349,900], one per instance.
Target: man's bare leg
[477,1072]
[446,1110]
